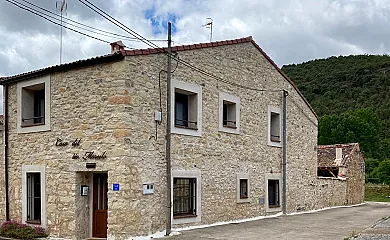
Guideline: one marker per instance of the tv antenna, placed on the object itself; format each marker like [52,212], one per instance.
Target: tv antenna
[209,24]
[61,6]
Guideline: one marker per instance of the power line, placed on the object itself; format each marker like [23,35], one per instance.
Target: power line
[146,41]
[26,9]
[85,25]
[82,24]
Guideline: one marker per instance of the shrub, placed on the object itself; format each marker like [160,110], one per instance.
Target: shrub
[14,229]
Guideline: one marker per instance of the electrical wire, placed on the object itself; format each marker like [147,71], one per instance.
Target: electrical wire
[146,41]
[26,9]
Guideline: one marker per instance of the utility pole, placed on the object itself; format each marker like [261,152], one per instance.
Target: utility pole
[168,136]
[285,94]
[61,6]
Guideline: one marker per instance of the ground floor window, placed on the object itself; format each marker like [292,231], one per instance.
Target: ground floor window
[184,197]
[273,193]
[328,172]
[243,188]
[33,197]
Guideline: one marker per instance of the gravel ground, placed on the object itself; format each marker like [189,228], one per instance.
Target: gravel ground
[379,231]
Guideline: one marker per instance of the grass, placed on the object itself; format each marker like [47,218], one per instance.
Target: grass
[377,192]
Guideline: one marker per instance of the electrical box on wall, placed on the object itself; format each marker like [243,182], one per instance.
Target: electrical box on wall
[157,116]
[148,188]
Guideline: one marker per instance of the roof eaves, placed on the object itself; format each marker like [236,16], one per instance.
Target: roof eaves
[62,67]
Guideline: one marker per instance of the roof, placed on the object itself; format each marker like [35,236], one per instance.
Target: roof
[326,154]
[122,54]
[62,67]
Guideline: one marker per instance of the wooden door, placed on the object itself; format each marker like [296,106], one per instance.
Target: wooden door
[99,221]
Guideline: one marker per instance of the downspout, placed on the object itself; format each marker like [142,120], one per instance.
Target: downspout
[5,132]
[285,94]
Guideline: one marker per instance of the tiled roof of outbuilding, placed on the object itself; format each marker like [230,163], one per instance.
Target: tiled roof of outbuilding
[326,154]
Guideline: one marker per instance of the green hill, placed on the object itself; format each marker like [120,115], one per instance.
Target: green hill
[351,95]
[337,84]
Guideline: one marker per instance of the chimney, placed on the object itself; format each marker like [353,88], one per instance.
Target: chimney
[117,46]
[339,152]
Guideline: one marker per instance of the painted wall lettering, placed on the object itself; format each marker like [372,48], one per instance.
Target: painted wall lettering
[92,155]
[62,143]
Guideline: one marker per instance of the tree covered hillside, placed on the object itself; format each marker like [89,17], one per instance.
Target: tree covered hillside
[351,95]
[337,84]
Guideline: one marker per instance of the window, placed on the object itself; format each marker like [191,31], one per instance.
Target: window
[274,127]
[186,108]
[243,188]
[328,172]
[34,105]
[33,195]
[184,197]
[34,198]
[229,113]
[273,193]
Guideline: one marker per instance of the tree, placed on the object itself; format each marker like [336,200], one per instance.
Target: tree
[362,126]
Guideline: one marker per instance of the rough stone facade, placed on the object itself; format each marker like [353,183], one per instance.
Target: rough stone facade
[351,166]
[111,107]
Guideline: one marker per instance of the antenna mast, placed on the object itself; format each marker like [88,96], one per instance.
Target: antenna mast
[61,6]
[209,24]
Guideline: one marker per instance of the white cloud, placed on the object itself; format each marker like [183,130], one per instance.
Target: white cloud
[290,31]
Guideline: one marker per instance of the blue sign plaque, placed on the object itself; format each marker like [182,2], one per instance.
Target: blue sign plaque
[115,187]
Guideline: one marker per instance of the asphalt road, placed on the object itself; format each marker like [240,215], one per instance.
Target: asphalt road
[339,223]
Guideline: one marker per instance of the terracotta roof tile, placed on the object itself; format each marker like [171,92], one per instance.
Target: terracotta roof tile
[191,47]
[326,154]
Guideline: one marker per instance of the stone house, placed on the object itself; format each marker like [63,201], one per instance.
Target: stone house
[344,162]
[85,147]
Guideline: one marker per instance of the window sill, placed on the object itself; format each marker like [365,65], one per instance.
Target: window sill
[243,197]
[32,125]
[184,127]
[185,216]
[36,222]
[226,126]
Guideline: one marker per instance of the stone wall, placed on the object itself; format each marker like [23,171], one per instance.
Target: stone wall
[110,107]
[356,177]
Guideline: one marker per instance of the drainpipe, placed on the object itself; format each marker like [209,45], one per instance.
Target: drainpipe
[285,94]
[5,132]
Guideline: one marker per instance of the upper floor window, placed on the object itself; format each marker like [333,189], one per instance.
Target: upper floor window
[186,108]
[229,113]
[274,127]
[34,105]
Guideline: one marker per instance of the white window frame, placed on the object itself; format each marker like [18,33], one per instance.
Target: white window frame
[239,177]
[273,109]
[189,174]
[273,177]
[233,99]
[20,85]
[34,169]
[188,87]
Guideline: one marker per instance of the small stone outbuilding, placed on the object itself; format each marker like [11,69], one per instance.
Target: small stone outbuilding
[344,162]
